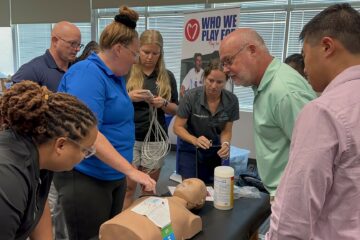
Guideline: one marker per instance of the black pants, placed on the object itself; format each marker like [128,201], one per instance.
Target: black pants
[88,202]
[196,162]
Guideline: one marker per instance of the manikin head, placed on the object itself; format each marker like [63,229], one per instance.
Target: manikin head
[193,191]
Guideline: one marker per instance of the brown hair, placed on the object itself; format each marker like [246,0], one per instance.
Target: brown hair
[92,46]
[117,32]
[214,64]
[32,110]
[136,79]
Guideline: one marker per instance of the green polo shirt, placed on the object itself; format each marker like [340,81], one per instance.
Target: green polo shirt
[281,95]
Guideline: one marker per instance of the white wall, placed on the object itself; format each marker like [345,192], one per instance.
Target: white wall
[6,51]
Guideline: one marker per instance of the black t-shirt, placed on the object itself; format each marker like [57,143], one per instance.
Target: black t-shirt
[23,187]
[142,117]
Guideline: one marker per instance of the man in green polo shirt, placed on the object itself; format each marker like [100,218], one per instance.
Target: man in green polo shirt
[280,93]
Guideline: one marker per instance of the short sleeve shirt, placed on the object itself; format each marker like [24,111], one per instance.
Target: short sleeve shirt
[105,94]
[42,70]
[23,187]
[142,118]
[281,95]
[200,120]
[193,79]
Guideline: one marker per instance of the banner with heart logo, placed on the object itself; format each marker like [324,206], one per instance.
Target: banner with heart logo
[203,32]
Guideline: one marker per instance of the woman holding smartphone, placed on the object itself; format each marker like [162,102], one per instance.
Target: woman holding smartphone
[150,85]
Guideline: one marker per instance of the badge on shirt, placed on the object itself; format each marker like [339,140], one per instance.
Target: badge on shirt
[167,233]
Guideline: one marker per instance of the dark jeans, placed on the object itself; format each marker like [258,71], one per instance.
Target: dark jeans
[88,202]
[200,163]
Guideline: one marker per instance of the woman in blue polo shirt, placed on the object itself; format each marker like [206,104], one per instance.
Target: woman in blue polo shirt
[94,191]
[204,120]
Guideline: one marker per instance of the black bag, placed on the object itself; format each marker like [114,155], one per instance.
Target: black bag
[251,178]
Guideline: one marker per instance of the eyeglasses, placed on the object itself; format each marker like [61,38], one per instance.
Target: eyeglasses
[88,152]
[135,54]
[72,43]
[228,61]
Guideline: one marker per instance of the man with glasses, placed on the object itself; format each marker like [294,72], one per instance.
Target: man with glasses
[48,69]
[280,93]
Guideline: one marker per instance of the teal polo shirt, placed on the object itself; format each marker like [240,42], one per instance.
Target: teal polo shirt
[281,95]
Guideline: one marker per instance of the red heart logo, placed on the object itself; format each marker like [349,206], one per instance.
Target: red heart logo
[192,30]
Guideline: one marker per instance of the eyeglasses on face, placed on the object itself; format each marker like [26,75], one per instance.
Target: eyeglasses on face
[135,54]
[73,44]
[88,152]
[228,61]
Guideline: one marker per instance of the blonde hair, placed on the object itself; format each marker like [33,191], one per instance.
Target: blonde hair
[136,78]
[117,32]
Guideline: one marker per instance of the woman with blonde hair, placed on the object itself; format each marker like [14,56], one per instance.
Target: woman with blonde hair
[93,192]
[151,87]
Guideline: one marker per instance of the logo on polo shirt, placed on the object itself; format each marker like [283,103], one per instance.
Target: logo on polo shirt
[200,116]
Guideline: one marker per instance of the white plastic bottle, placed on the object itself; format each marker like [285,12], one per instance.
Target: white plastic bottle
[224,187]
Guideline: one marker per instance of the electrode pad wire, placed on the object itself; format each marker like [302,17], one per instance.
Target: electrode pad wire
[157,151]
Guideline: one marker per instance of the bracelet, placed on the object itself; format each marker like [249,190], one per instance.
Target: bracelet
[226,143]
[166,102]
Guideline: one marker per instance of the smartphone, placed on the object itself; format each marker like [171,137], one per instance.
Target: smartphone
[147,93]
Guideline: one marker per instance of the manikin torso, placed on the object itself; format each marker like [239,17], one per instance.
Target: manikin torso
[132,226]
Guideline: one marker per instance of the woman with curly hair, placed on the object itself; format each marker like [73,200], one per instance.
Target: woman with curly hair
[42,132]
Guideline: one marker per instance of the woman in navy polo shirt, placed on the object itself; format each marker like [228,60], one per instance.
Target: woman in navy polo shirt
[203,123]
[94,191]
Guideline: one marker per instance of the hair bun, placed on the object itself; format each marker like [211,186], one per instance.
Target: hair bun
[126,20]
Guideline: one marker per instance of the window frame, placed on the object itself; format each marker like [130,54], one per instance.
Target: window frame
[289,7]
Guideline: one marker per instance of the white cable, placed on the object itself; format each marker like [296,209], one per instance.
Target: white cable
[162,147]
